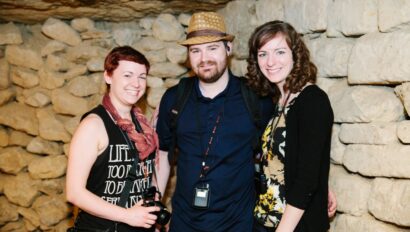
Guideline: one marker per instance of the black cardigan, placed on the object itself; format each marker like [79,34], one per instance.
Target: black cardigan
[307,157]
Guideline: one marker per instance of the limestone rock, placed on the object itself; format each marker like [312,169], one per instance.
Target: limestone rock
[366,223]
[167,70]
[72,124]
[42,146]
[66,149]
[154,82]
[149,44]
[167,28]
[56,63]
[368,133]
[241,27]
[238,67]
[157,56]
[331,56]
[356,104]
[4,137]
[30,215]
[332,86]
[391,196]
[352,191]
[51,209]
[393,14]
[126,33]
[24,77]
[6,95]
[8,212]
[19,117]
[65,103]
[83,86]
[83,52]
[17,226]
[10,34]
[269,10]
[403,92]
[21,189]
[337,148]
[177,54]
[50,127]
[37,98]
[403,131]
[14,159]
[25,57]
[146,23]
[154,96]
[48,167]
[95,65]
[60,31]
[50,79]
[379,58]
[169,82]
[19,138]
[125,10]
[75,71]
[378,160]
[52,187]
[184,19]
[82,24]
[297,13]
[362,17]
[4,74]
[53,47]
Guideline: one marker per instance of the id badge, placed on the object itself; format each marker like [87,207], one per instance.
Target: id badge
[201,196]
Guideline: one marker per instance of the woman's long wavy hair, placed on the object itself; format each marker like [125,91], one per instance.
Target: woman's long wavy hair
[303,70]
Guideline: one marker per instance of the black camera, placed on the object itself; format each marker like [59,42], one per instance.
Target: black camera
[261,182]
[163,215]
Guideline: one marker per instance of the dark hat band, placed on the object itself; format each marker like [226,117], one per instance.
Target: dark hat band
[205,32]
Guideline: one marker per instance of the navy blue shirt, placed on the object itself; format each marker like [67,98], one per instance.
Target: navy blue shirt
[230,158]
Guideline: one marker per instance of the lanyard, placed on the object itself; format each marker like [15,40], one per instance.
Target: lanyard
[204,167]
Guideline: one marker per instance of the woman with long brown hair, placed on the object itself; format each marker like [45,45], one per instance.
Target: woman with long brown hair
[296,142]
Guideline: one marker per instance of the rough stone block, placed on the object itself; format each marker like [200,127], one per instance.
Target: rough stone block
[48,167]
[331,56]
[357,104]
[351,190]
[167,28]
[403,131]
[60,31]
[352,17]
[298,14]
[19,117]
[393,14]
[10,34]
[379,58]
[378,160]
[369,133]
[390,201]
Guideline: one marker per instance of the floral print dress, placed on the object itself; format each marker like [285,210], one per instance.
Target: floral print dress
[271,205]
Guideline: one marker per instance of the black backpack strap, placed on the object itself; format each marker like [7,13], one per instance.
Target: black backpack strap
[252,102]
[184,90]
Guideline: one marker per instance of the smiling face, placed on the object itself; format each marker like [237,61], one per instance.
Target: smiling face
[127,83]
[208,60]
[275,60]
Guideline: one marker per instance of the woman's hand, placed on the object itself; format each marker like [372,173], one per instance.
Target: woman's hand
[141,216]
[331,204]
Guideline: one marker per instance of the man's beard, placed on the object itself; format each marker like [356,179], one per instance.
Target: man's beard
[212,76]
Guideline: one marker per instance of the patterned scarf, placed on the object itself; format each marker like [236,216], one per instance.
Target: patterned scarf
[145,142]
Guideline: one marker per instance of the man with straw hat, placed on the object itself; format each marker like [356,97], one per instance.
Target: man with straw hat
[214,132]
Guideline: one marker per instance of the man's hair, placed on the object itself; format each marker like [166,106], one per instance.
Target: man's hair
[303,70]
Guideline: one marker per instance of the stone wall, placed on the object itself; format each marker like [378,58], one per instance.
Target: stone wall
[51,73]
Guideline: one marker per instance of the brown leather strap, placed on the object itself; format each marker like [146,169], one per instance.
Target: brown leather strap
[205,32]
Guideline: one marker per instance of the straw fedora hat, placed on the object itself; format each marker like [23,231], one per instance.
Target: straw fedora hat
[206,27]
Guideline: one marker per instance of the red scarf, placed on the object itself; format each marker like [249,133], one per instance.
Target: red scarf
[146,142]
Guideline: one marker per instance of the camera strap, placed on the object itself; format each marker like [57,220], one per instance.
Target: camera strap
[131,176]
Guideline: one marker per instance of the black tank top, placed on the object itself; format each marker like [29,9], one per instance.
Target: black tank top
[108,173]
